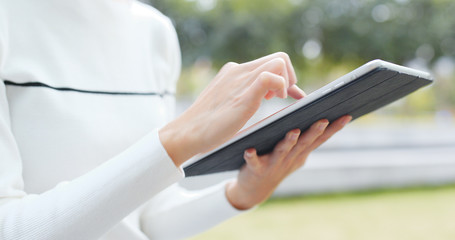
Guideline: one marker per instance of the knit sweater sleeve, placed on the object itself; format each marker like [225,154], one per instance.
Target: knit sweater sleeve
[86,207]
[190,211]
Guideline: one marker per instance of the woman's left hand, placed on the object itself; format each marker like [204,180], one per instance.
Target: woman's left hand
[260,176]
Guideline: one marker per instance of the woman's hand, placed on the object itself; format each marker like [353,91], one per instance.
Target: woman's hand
[227,103]
[259,177]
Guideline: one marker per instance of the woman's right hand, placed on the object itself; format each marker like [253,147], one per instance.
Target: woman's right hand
[227,103]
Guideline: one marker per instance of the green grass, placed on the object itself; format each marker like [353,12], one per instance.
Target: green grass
[425,213]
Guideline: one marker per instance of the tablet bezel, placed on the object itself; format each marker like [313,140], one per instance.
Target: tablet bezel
[320,93]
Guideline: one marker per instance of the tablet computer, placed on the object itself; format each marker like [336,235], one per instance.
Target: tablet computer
[367,88]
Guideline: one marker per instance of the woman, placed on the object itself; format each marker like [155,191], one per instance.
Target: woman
[86,93]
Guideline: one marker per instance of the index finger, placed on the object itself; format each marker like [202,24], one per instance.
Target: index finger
[289,68]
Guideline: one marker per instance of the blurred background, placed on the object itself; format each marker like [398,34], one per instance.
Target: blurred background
[388,175]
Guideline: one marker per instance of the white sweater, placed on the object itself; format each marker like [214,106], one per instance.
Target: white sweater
[84,84]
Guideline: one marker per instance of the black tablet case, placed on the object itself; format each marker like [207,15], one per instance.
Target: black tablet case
[367,93]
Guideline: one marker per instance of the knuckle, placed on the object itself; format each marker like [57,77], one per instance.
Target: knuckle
[280,62]
[288,143]
[282,148]
[238,99]
[315,130]
[304,143]
[282,55]
[229,65]
[272,80]
[323,139]
[264,74]
[264,79]
[281,151]
[239,102]
[337,127]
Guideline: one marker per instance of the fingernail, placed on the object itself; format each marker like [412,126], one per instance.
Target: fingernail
[294,135]
[346,120]
[248,153]
[323,124]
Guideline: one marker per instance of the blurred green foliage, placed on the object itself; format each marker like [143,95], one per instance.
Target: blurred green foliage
[325,39]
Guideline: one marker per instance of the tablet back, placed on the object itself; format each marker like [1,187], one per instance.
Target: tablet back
[366,93]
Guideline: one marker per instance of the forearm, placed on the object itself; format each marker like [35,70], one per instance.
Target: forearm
[88,206]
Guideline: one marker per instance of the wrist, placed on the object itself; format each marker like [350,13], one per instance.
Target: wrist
[240,197]
[177,142]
